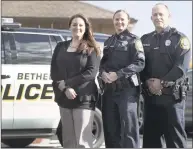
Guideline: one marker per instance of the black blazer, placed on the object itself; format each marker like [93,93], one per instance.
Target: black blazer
[83,83]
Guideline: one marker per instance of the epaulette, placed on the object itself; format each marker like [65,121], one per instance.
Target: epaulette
[175,31]
[108,39]
[133,35]
[148,35]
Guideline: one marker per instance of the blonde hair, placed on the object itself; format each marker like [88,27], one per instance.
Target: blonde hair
[120,10]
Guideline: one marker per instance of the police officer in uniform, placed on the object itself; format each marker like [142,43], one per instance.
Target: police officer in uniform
[167,53]
[123,59]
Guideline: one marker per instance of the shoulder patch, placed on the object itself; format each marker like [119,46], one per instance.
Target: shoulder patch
[145,36]
[133,35]
[184,43]
[138,45]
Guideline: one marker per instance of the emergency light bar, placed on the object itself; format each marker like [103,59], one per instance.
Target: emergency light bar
[8,23]
[6,20]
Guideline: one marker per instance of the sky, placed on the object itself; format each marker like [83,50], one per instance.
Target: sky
[181,12]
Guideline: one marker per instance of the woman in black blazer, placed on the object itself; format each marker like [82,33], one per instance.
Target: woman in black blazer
[74,66]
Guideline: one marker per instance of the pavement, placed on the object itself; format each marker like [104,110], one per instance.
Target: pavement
[54,143]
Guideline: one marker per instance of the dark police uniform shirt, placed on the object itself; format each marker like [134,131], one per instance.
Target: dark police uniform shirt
[167,55]
[78,70]
[123,54]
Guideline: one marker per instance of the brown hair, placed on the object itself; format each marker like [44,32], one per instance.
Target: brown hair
[88,43]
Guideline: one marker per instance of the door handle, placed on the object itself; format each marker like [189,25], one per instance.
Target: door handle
[5,76]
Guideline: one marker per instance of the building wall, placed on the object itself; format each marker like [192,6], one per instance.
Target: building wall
[101,26]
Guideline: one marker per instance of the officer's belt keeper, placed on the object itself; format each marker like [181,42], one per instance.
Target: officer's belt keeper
[119,85]
[115,86]
[126,81]
[178,89]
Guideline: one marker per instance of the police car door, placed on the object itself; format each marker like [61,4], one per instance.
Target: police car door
[34,107]
[7,80]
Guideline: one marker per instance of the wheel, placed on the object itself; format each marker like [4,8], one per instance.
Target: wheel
[18,143]
[98,136]
[140,111]
[59,132]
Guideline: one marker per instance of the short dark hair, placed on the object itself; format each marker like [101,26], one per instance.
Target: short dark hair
[120,10]
[163,5]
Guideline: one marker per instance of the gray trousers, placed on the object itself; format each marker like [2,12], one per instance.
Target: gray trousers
[77,127]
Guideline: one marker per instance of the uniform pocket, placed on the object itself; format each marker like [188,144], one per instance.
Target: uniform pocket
[166,57]
[121,54]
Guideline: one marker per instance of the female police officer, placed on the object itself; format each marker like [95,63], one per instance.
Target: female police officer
[123,59]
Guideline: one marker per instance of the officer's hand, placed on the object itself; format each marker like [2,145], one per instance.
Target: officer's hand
[113,76]
[70,93]
[105,77]
[155,86]
[61,85]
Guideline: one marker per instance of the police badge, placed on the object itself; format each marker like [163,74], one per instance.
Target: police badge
[168,42]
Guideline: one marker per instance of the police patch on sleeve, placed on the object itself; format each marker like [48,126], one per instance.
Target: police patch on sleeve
[138,45]
[184,43]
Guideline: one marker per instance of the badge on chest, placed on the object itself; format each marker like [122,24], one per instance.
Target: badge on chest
[167,42]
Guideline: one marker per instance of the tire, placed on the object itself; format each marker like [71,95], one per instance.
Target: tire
[59,132]
[98,136]
[18,143]
[140,111]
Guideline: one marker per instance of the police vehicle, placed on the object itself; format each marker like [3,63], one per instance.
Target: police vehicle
[188,109]
[28,107]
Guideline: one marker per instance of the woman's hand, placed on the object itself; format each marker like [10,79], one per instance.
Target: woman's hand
[70,93]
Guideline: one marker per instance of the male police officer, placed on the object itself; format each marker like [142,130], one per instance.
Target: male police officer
[122,60]
[167,53]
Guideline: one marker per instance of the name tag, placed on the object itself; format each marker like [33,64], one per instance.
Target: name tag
[146,45]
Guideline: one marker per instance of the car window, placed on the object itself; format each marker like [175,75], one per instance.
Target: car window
[66,37]
[6,48]
[33,48]
[2,51]
[54,40]
[100,40]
